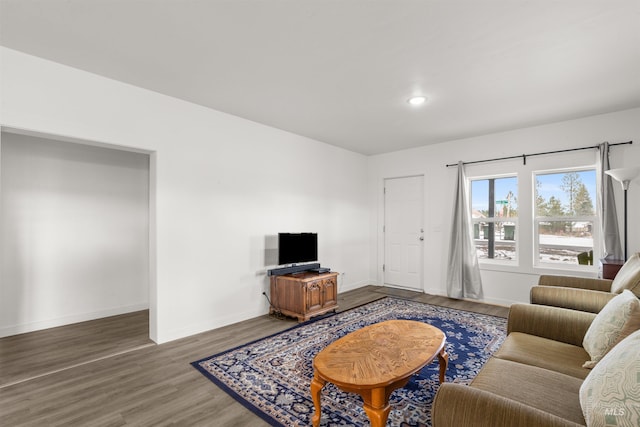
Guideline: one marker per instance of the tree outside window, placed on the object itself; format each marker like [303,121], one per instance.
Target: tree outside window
[565,217]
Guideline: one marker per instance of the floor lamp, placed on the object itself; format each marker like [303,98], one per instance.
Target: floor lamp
[624,176]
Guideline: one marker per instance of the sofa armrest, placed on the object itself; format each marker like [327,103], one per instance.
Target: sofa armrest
[558,324]
[458,405]
[576,299]
[602,285]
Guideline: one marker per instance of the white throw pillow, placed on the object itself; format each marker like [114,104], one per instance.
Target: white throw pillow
[609,395]
[628,277]
[619,318]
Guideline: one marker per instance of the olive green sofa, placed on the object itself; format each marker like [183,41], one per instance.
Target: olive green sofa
[532,380]
[586,294]
[535,377]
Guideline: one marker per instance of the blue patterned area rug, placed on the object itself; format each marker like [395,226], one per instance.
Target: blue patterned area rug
[271,376]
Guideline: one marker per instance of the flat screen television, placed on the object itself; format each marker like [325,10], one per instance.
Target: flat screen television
[297,247]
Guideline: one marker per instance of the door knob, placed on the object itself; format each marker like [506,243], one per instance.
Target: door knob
[421,238]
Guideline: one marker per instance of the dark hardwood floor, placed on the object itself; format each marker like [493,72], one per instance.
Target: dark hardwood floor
[39,353]
[108,373]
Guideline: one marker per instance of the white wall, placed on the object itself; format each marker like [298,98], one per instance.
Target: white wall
[75,233]
[219,185]
[501,285]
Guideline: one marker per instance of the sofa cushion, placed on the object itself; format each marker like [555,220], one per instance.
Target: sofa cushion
[544,353]
[552,392]
[576,299]
[628,277]
[610,393]
[619,318]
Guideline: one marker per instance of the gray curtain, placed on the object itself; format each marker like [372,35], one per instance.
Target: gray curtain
[463,274]
[611,245]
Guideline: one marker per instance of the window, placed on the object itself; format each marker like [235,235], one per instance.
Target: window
[494,213]
[565,217]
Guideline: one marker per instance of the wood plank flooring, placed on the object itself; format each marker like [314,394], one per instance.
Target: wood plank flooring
[37,353]
[142,384]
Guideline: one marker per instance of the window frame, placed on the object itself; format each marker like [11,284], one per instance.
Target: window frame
[484,262]
[537,264]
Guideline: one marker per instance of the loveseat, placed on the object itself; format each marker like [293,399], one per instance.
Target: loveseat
[535,377]
[586,294]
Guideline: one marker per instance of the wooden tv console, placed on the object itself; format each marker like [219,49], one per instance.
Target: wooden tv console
[305,294]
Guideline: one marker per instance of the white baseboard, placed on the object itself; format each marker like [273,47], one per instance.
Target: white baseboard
[351,286]
[209,325]
[219,322]
[68,320]
[493,301]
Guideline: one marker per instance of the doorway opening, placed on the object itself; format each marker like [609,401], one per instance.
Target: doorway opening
[76,231]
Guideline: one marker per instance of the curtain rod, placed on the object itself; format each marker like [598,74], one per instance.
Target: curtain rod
[524,156]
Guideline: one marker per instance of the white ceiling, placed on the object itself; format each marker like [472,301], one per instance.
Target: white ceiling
[340,71]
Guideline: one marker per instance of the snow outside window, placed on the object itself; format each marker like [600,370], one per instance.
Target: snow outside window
[565,222]
[494,213]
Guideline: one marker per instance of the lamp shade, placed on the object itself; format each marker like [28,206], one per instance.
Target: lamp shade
[624,175]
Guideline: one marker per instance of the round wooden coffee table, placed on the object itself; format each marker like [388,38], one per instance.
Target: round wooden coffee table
[375,360]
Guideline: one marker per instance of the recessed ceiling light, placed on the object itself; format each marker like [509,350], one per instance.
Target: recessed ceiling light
[417,100]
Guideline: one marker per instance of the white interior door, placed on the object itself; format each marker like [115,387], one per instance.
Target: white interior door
[403,232]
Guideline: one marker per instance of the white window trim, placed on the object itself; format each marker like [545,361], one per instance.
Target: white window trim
[489,263]
[541,267]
